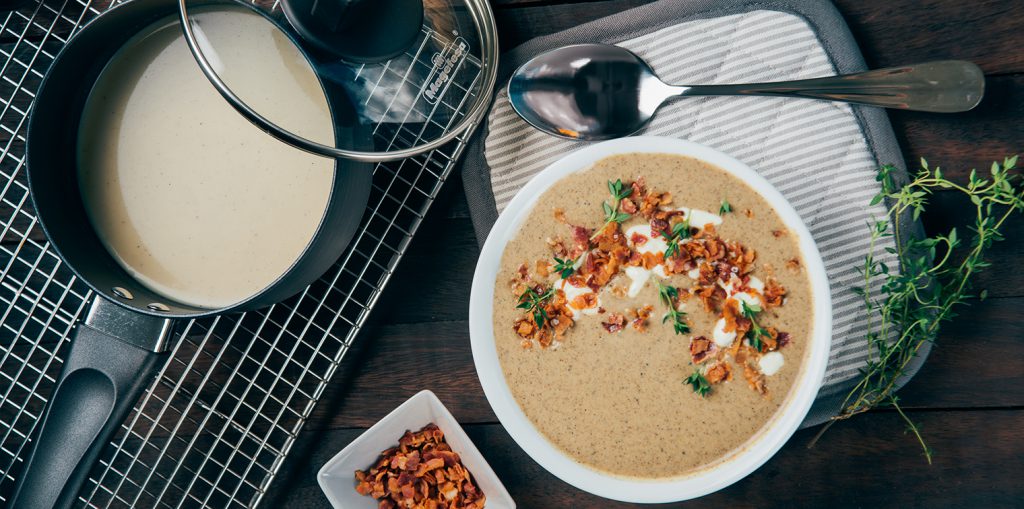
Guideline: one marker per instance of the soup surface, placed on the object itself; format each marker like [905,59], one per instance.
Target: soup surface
[638,362]
[190,198]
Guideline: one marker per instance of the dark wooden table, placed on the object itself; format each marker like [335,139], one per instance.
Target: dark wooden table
[969,397]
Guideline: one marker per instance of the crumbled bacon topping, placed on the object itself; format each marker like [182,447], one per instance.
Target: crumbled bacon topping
[615,323]
[701,349]
[718,372]
[783,339]
[793,264]
[557,246]
[422,472]
[774,293]
[639,317]
[628,206]
[721,269]
[580,238]
[755,379]
[543,268]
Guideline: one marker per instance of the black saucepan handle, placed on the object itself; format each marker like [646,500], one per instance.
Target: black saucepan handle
[103,376]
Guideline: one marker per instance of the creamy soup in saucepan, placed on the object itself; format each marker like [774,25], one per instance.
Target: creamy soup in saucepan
[651,315]
[190,198]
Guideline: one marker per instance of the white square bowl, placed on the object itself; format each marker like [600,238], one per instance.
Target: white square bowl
[337,476]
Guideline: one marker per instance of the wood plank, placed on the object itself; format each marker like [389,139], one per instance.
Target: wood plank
[864,463]
[961,141]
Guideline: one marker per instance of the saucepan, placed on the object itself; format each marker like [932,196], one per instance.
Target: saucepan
[128,326]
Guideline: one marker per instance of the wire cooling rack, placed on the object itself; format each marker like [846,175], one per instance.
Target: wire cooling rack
[216,424]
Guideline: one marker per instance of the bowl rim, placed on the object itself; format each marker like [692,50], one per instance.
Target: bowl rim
[719,474]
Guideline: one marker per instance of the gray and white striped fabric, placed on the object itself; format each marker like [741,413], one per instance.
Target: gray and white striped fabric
[814,152]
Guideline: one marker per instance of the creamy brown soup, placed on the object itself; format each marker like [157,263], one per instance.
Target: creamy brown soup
[190,198]
[619,401]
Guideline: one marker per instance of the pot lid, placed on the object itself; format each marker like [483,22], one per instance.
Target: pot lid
[416,73]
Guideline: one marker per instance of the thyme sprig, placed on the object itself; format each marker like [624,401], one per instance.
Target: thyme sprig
[534,303]
[564,268]
[907,308]
[669,296]
[619,192]
[756,332]
[699,383]
[680,231]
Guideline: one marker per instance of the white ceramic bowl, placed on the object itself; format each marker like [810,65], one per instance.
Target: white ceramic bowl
[337,479]
[719,475]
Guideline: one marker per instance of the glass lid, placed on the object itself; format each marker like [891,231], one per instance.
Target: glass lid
[369,80]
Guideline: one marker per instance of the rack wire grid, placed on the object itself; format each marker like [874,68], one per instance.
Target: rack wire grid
[218,420]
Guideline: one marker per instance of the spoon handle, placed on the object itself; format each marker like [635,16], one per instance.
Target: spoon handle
[946,86]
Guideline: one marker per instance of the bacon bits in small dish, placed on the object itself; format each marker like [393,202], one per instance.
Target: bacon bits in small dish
[427,462]
[422,472]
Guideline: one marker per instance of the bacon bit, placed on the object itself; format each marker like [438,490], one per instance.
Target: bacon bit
[601,311]
[639,187]
[783,339]
[638,239]
[708,274]
[580,237]
[640,316]
[421,472]
[520,280]
[771,342]
[577,280]
[701,349]
[525,328]
[584,301]
[659,226]
[773,293]
[543,268]
[557,246]
[778,233]
[708,231]
[793,264]
[755,380]
[718,372]
[610,238]
[628,206]
[615,323]
[560,216]
[749,213]
[650,260]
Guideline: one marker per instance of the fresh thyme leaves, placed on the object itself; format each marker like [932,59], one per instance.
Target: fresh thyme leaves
[724,208]
[699,383]
[680,231]
[564,268]
[534,303]
[756,332]
[907,309]
[670,296]
[619,191]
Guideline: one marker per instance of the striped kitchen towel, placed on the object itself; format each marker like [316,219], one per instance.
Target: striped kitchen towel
[822,156]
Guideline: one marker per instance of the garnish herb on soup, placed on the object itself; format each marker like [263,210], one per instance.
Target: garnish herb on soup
[655,302]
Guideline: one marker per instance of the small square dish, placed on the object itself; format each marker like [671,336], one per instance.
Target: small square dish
[337,476]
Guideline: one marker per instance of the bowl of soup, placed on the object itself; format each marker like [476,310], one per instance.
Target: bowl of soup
[650,319]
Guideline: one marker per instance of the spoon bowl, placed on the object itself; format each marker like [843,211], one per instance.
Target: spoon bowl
[602,91]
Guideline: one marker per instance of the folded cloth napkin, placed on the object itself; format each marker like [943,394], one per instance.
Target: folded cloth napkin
[822,156]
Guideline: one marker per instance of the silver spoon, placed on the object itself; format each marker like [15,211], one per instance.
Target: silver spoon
[600,91]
